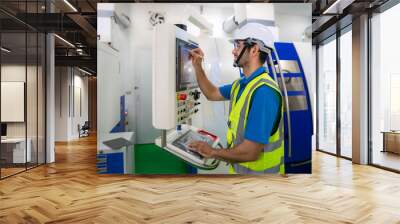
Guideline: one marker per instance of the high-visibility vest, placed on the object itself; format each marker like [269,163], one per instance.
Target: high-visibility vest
[271,159]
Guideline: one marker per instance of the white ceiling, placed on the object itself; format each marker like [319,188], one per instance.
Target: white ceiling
[298,9]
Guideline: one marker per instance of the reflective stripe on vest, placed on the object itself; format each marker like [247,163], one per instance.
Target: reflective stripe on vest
[239,169]
[271,159]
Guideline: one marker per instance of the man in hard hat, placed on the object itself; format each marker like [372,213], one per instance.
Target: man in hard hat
[255,123]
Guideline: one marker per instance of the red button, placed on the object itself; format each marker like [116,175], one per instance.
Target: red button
[182,96]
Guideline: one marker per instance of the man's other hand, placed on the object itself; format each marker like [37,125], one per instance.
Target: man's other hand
[202,148]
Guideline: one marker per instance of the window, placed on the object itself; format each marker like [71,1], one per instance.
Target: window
[327,97]
[385,89]
[346,94]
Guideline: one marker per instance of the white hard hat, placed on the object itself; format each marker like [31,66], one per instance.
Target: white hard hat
[255,31]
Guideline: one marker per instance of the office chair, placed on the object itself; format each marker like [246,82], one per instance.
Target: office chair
[84,130]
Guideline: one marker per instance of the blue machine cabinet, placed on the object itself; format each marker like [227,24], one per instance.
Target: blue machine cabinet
[110,163]
[298,159]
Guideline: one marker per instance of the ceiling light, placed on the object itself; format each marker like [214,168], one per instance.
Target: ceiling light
[84,71]
[331,7]
[64,40]
[338,6]
[70,5]
[5,50]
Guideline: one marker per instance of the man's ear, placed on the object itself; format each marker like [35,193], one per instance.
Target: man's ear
[255,49]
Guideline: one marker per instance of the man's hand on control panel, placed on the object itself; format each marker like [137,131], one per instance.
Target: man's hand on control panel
[244,152]
[203,148]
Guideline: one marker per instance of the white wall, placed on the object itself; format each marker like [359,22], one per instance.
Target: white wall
[12,73]
[81,108]
[115,74]
[62,81]
[15,73]
[68,79]
[292,20]
[123,42]
[109,89]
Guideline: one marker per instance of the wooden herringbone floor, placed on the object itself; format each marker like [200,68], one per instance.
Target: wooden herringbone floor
[70,191]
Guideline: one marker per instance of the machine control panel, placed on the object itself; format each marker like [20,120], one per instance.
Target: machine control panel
[187,104]
[184,140]
[177,142]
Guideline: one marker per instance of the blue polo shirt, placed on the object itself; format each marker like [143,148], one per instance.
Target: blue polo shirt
[263,111]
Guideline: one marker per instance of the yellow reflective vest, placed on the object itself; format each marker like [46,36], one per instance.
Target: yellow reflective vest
[271,159]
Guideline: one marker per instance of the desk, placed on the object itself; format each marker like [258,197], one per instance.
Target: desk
[15,148]
[391,141]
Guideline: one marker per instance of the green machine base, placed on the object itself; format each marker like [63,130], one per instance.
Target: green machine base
[151,159]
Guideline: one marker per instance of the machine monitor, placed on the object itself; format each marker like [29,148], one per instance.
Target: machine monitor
[185,74]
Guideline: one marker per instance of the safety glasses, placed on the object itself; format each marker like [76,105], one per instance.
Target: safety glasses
[237,44]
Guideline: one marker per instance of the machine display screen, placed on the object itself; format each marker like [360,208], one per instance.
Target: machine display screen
[185,74]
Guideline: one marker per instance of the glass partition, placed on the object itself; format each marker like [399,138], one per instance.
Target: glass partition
[23,89]
[13,105]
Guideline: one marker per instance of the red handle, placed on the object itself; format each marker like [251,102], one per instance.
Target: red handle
[213,137]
